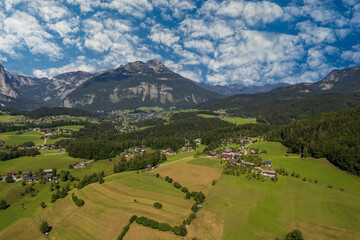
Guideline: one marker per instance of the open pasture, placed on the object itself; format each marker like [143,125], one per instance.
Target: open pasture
[12,138]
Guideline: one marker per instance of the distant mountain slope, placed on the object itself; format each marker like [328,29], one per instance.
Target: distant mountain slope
[340,89]
[27,92]
[233,89]
[137,84]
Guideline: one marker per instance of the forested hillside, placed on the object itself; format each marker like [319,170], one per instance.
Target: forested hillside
[54,111]
[335,136]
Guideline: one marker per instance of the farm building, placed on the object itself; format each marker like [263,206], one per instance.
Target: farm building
[269,173]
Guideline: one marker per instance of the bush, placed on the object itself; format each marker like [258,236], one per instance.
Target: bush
[4,204]
[157,205]
[170,180]
[213,182]
[180,230]
[101,180]
[44,227]
[164,227]
[42,204]
[79,202]
[133,218]
[184,190]
[157,175]
[167,178]
[294,235]
[177,185]
[330,186]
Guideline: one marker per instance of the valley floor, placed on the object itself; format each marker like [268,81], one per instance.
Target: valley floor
[235,207]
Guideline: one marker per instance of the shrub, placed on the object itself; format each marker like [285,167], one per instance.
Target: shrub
[330,186]
[294,235]
[164,227]
[42,204]
[195,208]
[44,227]
[167,178]
[188,195]
[133,218]
[79,202]
[180,230]
[170,180]
[184,190]
[213,182]
[3,204]
[177,185]
[101,180]
[316,181]
[157,205]
[157,175]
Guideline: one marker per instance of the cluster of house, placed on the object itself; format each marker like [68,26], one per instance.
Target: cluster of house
[234,158]
[28,177]
[168,152]
[83,164]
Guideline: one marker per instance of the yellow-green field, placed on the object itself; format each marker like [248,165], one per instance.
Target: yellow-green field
[239,120]
[12,138]
[47,159]
[235,207]
[4,118]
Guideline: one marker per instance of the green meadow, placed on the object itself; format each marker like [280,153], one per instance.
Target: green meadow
[239,120]
[5,118]
[235,207]
[12,138]
[47,159]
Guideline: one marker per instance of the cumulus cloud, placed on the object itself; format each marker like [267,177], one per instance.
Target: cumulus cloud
[220,42]
[85,5]
[72,67]
[163,35]
[137,8]
[26,30]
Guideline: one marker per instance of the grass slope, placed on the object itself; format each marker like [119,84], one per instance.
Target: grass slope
[239,120]
[11,138]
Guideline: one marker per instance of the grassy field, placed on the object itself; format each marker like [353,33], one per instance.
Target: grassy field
[11,138]
[5,118]
[239,120]
[207,116]
[235,208]
[73,127]
[44,161]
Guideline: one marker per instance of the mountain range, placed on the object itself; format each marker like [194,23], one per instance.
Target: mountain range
[149,84]
[236,88]
[339,90]
[133,85]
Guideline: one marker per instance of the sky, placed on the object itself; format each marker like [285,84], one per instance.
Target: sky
[217,42]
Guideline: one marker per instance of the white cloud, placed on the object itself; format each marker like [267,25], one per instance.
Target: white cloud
[136,8]
[203,46]
[352,55]
[28,32]
[85,5]
[102,34]
[79,65]
[312,34]
[195,28]
[163,35]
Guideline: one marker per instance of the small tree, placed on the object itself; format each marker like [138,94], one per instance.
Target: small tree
[44,227]
[157,205]
[294,235]
[42,204]
[177,185]
[3,204]
[213,182]
[157,175]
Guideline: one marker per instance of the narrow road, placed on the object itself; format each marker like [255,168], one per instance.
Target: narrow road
[182,159]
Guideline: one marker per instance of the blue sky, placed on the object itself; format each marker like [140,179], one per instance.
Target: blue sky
[218,42]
